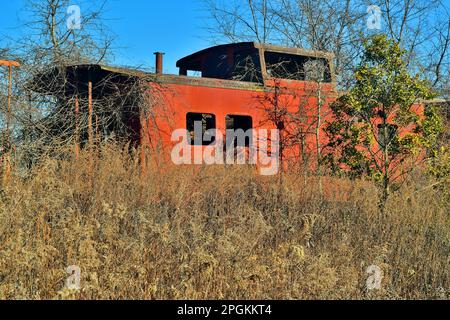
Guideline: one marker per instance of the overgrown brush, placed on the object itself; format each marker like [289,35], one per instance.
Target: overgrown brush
[213,233]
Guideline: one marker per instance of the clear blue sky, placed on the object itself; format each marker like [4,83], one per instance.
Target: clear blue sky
[141,27]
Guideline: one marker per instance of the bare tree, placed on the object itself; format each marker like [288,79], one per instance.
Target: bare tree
[41,115]
[299,120]
[421,26]
[318,25]
[57,35]
[236,20]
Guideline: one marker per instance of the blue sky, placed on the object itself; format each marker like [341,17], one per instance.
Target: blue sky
[141,27]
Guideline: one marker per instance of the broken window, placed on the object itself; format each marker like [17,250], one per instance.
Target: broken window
[194,73]
[314,70]
[241,126]
[297,67]
[199,126]
[216,65]
[247,66]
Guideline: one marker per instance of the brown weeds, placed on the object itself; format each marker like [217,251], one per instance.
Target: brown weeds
[213,233]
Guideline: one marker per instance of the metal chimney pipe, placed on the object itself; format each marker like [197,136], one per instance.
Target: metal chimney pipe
[159,62]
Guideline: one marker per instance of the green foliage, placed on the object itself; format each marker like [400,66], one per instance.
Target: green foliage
[433,129]
[376,125]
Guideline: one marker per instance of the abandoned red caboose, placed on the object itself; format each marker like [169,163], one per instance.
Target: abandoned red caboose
[227,87]
[247,86]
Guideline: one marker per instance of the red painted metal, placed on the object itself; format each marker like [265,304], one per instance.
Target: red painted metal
[7,63]
[159,62]
[90,118]
[8,116]
[77,111]
[181,95]
[171,97]
[10,65]
[5,160]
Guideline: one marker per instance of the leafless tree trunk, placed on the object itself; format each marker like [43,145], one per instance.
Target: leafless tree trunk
[422,28]
[39,118]
[339,26]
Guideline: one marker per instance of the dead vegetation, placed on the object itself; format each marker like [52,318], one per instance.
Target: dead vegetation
[190,232]
[213,233]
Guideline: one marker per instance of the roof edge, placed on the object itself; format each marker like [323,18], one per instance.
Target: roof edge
[267,47]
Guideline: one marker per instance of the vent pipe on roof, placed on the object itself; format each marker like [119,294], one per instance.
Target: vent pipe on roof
[159,62]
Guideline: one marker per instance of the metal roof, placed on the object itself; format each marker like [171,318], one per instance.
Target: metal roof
[63,79]
[255,45]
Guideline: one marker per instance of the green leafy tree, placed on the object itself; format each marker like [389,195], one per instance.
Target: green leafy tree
[377,125]
[435,138]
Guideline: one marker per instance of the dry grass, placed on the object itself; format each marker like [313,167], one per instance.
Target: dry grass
[213,233]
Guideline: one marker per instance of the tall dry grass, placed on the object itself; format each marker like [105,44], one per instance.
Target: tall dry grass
[213,233]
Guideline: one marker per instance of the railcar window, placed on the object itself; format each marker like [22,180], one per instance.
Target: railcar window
[203,122]
[240,125]
[297,67]
[247,66]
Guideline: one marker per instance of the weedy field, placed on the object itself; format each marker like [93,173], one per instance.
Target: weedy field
[214,233]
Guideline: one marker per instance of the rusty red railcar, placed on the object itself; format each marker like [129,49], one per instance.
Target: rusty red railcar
[228,87]
[238,86]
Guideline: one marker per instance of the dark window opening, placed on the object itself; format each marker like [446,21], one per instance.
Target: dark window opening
[240,125]
[216,65]
[247,66]
[203,122]
[296,67]
[226,64]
